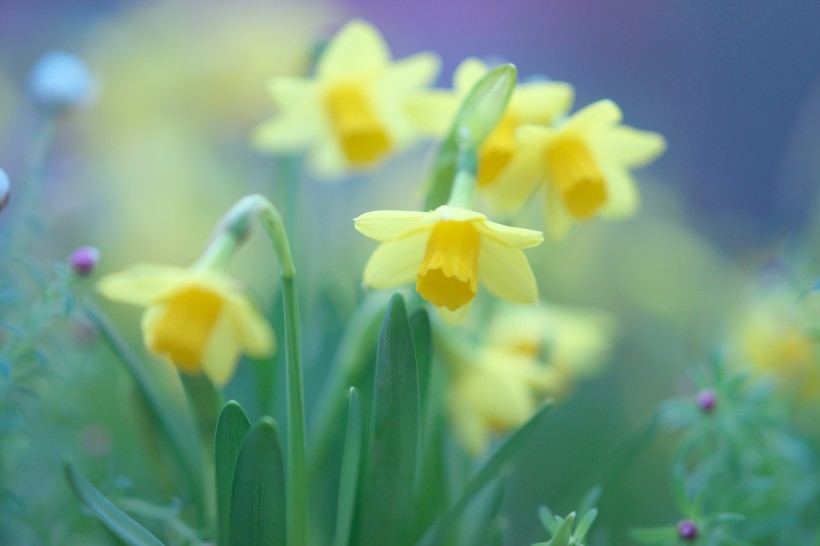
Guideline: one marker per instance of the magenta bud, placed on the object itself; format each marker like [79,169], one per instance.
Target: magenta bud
[707,400]
[687,530]
[84,260]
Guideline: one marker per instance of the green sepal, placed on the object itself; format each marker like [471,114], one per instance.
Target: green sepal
[114,519]
[257,514]
[231,427]
[480,112]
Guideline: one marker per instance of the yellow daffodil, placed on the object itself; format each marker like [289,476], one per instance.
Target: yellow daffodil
[584,161]
[573,340]
[354,112]
[772,337]
[446,252]
[197,318]
[539,102]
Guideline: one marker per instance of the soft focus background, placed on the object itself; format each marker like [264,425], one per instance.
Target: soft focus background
[734,86]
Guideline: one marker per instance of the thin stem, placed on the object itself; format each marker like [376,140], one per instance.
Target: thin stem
[462,195]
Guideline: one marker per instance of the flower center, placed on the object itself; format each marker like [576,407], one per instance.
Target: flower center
[360,133]
[576,177]
[183,329]
[496,151]
[448,277]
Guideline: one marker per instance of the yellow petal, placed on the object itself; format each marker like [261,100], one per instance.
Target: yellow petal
[598,114]
[383,225]
[409,74]
[357,50]
[558,219]
[327,161]
[623,197]
[285,133]
[433,111]
[395,89]
[250,328]
[396,262]
[467,74]
[142,284]
[290,93]
[454,317]
[455,214]
[221,354]
[628,146]
[516,183]
[512,236]
[506,272]
[541,102]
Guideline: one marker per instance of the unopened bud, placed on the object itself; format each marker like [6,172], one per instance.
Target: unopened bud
[59,83]
[687,530]
[707,400]
[84,260]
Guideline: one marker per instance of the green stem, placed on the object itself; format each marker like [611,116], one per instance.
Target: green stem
[462,195]
[297,502]
[188,459]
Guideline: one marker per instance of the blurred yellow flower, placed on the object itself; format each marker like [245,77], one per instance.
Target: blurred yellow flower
[539,102]
[584,162]
[198,318]
[354,112]
[446,251]
[772,337]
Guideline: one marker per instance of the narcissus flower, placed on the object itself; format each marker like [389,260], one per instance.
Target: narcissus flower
[585,163]
[197,318]
[446,252]
[540,102]
[354,112]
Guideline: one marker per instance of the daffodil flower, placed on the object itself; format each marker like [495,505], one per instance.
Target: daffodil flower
[354,112]
[197,318]
[540,102]
[585,163]
[446,252]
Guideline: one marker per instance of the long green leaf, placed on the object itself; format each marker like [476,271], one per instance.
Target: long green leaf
[488,471]
[387,490]
[257,516]
[480,112]
[114,519]
[351,460]
[231,428]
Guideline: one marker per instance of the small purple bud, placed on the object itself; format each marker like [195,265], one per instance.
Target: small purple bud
[84,260]
[707,400]
[5,190]
[687,530]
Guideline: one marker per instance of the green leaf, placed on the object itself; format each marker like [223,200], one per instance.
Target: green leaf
[387,489]
[585,523]
[351,461]
[257,515]
[114,519]
[547,519]
[564,534]
[488,471]
[480,112]
[423,345]
[231,427]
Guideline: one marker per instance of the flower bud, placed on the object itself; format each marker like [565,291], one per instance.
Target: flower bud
[687,530]
[5,190]
[707,400]
[59,83]
[84,260]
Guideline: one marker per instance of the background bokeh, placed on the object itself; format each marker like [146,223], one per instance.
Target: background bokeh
[145,172]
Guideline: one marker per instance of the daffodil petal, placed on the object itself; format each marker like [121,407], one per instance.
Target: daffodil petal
[512,236]
[454,317]
[290,93]
[410,73]
[221,354]
[628,146]
[285,133]
[357,49]
[468,73]
[623,197]
[517,181]
[433,111]
[558,219]
[384,225]
[455,214]
[541,102]
[396,262]
[598,114]
[506,272]
[253,332]
[327,161]
[142,284]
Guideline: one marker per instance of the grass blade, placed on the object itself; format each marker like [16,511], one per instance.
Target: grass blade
[231,428]
[351,461]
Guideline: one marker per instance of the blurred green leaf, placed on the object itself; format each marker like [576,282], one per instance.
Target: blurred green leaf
[231,427]
[480,112]
[351,460]
[585,523]
[257,516]
[387,490]
[488,471]
[114,519]
[423,345]
[564,533]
